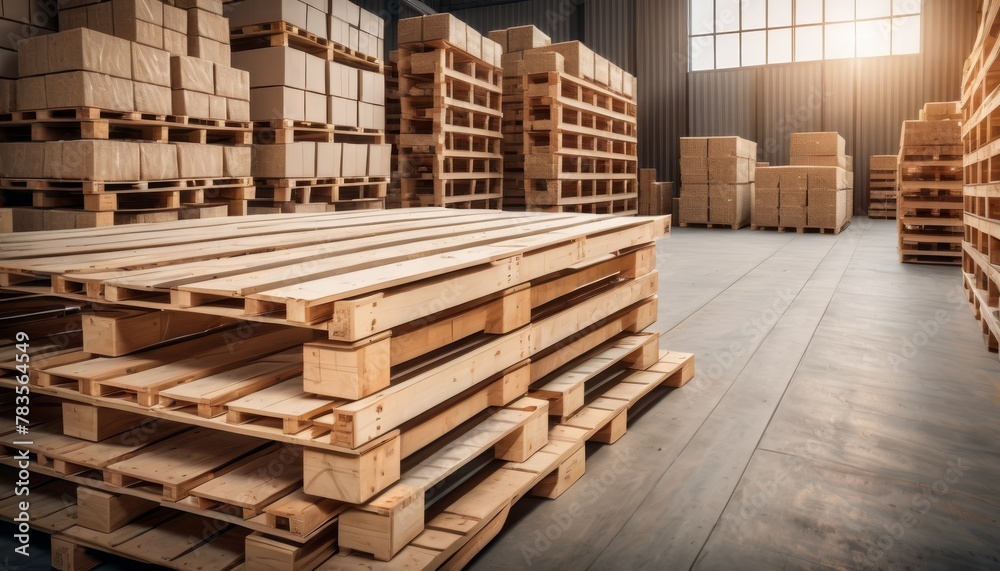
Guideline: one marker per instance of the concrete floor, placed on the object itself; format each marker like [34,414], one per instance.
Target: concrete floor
[845,414]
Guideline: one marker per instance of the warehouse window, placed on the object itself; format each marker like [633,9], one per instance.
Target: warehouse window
[740,33]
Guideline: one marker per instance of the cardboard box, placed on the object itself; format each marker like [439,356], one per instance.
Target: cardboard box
[369,23]
[87,50]
[693,209]
[199,161]
[827,178]
[340,31]
[273,67]
[817,144]
[342,81]
[16,10]
[473,42]
[232,82]
[213,6]
[355,161]
[154,99]
[29,93]
[175,43]
[828,209]
[792,217]
[150,65]
[347,11]
[158,161]
[728,170]
[371,116]
[317,22]
[768,178]
[236,161]
[72,18]
[542,62]
[270,103]
[291,11]
[694,170]
[296,160]
[175,19]
[793,198]
[193,74]
[410,30]
[211,50]
[317,109]
[766,215]
[95,160]
[237,110]
[445,27]
[732,147]
[522,38]
[379,160]
[190,103]
[126,11]
[316,80]
[208,25]
[8,95]
[694,147]
[88,89]
[793,179]
[353,40]
[500,37]
[579,58]
[369,44]
[730,204]
[819,161]
[372,87]
[23,160]
[695,190]
[328,158]
[100,17]
[217,108]
[602,70]
[343,112]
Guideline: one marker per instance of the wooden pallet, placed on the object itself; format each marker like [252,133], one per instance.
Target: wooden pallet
[30,219]
[805,229]
[287,131]
[274,34]
[93,123]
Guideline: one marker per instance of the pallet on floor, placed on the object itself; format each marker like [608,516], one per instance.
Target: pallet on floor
[805,229]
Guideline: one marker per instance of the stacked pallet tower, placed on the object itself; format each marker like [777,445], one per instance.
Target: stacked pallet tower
[112,128]
[882,186]
[717,178]
[580,132]
[514,42]
[981,245]
[313,383]
[930,203]
[451,86]
[814,194]
[317,102]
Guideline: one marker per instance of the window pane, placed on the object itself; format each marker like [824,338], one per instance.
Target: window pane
[839,40]
[779,46]
[727,15]
[839,11]
[727,51]
[779,13]
[903,7]
[873,9]
[755,48]
[702,53]
[874,38]
[906,35]
[754,14]
[809,43]
[702,17]
[808,12]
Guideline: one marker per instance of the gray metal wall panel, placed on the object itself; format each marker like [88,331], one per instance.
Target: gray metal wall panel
[609,30]
[790,100]
[733,109]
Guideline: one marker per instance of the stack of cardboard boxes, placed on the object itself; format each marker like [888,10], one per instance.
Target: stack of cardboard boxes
[580,132]
[319,112]
[814,193]
[450,130]
[102,108]
[931,178]
[515,42]
[717,181]
[20,19]
[882,186]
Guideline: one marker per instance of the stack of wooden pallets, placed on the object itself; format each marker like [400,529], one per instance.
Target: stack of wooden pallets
[393,113]
[929,204]
[299,384]
[112,128]
[580,132]
[451,88]
[317,101]
[981,245]
[514,42]
[882,186]
[717,177]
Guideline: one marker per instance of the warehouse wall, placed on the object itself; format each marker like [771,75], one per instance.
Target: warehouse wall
[866,100]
